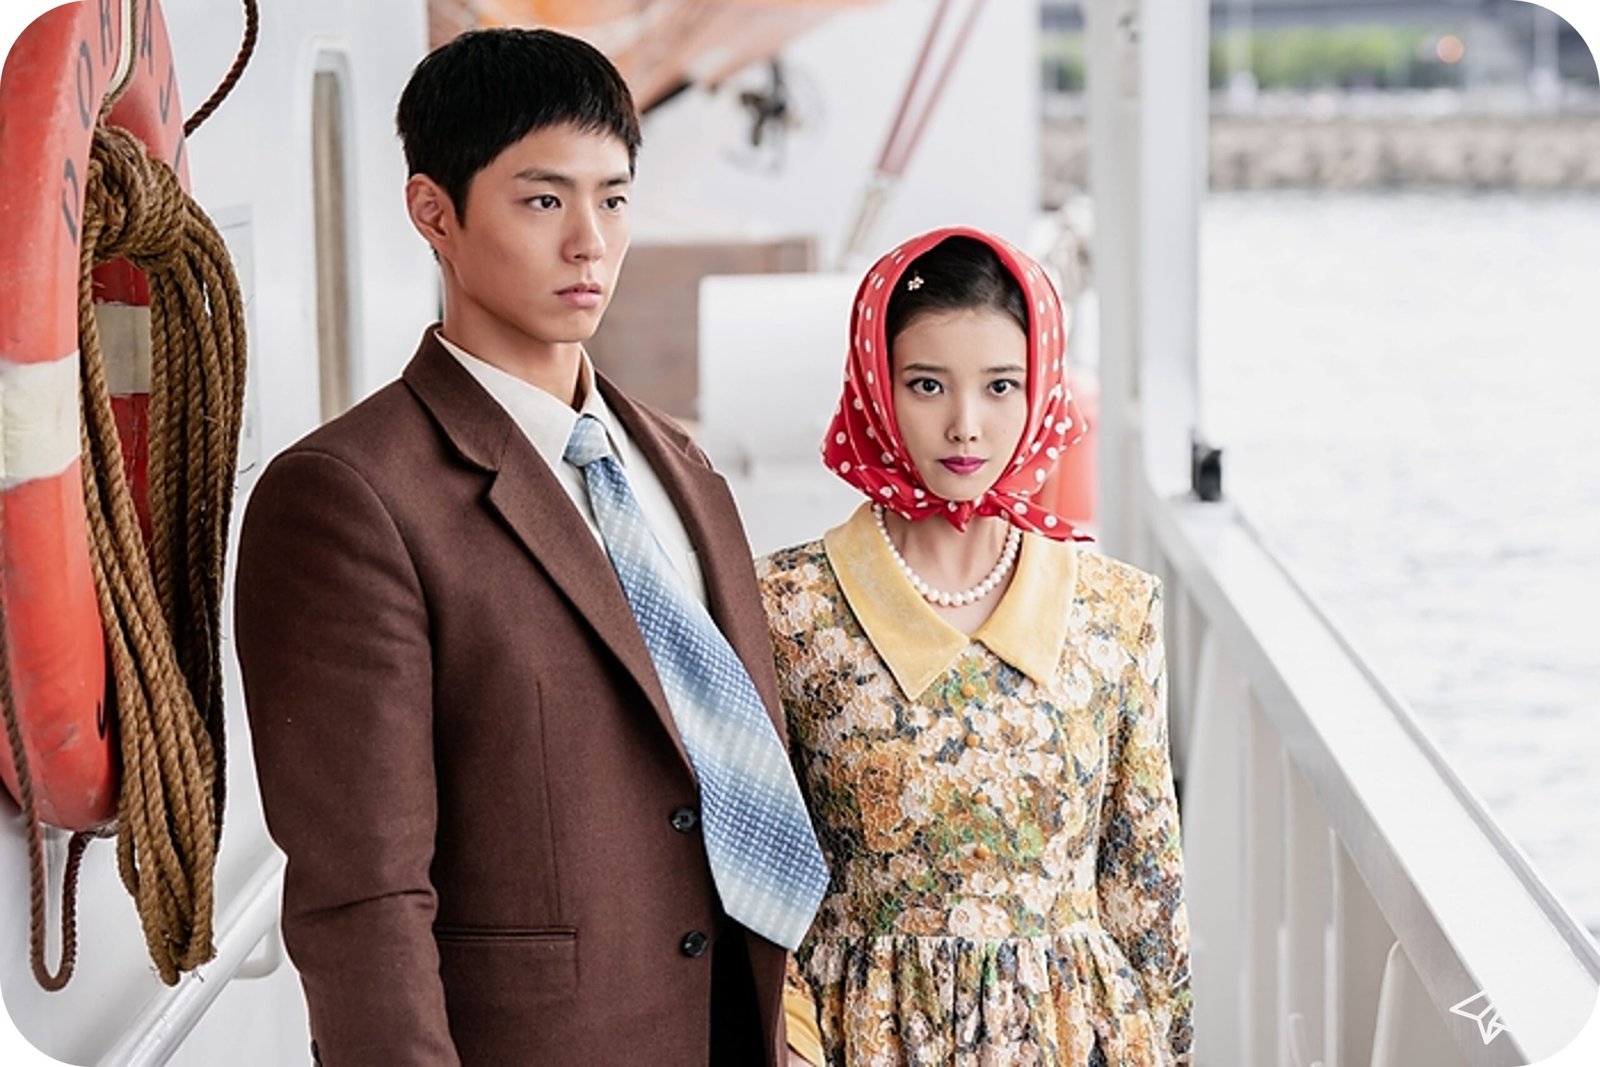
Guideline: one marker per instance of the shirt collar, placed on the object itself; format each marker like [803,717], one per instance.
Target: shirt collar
[1027,629]
[544,418]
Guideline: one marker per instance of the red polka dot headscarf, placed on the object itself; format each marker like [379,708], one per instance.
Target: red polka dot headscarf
[863,445]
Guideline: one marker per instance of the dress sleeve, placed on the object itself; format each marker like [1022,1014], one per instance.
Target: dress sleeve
[800,1010]
[799,1004]
[1140,861]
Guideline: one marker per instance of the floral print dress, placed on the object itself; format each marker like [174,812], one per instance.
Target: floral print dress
[997,812]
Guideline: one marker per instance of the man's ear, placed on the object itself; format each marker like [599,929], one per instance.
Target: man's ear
[431,212]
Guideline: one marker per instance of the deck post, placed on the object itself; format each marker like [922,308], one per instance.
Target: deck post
[1111,48]
[1174,37]
[1148,99]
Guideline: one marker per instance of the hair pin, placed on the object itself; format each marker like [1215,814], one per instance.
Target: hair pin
[915,282]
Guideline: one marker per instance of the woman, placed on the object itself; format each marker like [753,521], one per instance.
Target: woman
[975,706]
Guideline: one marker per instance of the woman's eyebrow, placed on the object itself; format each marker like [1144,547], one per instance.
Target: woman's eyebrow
[926,368]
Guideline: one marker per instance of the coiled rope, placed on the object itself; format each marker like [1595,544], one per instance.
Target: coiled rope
[161,609]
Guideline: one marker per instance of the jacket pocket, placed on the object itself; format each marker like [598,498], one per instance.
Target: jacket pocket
[506,969]
[443,932]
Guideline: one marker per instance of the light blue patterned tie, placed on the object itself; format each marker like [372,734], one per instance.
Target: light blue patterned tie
[764,856]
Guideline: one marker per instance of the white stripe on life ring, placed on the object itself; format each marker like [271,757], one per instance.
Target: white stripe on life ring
[38,419]
[125,340]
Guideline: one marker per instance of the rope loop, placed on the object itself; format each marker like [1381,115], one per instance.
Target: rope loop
[140,200]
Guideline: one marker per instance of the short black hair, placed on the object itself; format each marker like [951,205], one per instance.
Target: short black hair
[957,274]
[474,97]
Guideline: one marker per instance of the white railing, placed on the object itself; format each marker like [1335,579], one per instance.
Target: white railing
[248,946]
[1346,890]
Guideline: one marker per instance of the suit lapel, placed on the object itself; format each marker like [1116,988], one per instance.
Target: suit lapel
[529,498]
[535,507]
[711,520]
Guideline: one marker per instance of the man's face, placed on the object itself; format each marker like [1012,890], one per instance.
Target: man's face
[546,230]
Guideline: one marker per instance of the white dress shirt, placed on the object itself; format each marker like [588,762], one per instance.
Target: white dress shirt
[547,421]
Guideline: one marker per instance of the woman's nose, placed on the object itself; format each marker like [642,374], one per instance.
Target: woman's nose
[962,432]
[963,427]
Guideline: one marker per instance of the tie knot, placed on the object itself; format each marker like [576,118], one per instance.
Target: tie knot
[587,443]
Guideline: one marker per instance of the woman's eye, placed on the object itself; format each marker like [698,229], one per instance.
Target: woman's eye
[1004,386]
[924,386]
[545,201]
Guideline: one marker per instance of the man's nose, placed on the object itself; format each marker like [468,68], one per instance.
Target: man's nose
[585,242]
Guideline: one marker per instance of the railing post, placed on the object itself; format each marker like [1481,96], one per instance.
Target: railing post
[1361,944]
[1408,1029]
[1263,889]
[1305,920]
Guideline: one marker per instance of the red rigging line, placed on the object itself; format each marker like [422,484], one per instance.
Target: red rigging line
[900,145]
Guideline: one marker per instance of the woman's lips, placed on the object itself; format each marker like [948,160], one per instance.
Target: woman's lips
[962,464]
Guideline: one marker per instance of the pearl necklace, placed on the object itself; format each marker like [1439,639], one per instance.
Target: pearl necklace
[953,600]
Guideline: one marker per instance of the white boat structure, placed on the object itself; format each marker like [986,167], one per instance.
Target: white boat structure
[1352,902]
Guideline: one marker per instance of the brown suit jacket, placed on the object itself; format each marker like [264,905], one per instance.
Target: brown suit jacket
[463,748]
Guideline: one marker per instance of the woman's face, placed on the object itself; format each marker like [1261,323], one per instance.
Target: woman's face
[960,397]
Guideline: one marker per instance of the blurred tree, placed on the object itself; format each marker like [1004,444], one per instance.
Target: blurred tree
[1345,57]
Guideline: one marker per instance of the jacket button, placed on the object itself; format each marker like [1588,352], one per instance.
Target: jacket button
[693,944]
[684,820]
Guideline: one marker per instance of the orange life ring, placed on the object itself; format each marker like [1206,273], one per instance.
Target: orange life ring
[51,91]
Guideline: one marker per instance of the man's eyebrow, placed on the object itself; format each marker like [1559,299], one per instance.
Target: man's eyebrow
[555,177]
[551,177]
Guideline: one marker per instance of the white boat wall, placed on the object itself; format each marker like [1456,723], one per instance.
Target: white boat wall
[1346,891]
[252,169]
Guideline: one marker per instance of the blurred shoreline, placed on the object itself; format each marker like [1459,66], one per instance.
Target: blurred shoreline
[1367,142]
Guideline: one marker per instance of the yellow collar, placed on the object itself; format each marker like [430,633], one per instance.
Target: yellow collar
[1026,630]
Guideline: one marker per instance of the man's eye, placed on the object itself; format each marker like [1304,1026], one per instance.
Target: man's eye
[615,203]
[545,201]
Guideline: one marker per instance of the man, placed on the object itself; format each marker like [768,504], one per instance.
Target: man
[497,729]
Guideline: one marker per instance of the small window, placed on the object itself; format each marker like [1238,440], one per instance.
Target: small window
[332,243]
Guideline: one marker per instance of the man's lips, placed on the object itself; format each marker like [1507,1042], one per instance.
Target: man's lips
[962,464]
[581,295]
